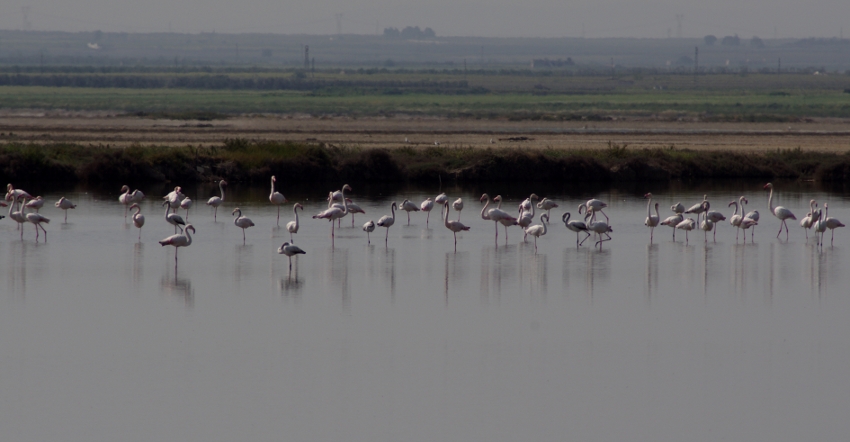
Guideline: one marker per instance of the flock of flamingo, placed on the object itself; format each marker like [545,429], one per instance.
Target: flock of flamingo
[339,206]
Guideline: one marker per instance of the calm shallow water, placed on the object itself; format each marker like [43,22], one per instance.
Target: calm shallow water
[101,340]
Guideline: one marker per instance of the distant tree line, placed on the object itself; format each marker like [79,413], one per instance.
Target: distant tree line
[547,63]
[409,33]
[732,40]
[224,82]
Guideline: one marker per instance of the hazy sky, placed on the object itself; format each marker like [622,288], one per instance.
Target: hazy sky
[491,18]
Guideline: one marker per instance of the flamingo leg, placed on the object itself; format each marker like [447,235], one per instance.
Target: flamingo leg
[830,241]
[585,238]
[36,232]
[66,216]
[535,244]
[140,235]
[408,218]
[290,263]
[368,238]
[215,215]
[243,236]
[387,238]
[427,218]
[290,238]
[278,223]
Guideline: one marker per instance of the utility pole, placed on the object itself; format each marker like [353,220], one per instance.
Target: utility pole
[306,57]
[696,63]
[779,66]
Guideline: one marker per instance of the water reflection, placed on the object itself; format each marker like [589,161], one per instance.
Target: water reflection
[455,271]
[336,273]
[138,263]
[651,278]
[178,287]
[292,286]
[243,262]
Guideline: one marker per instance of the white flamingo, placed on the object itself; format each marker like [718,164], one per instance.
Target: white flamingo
[173,218]
[687,225]
[65,204]
[243,222]
[179,240]
[454,226]
[706,226]
[780,212]
[186,204]
[600,228]
[458,206]
[651,220]
[174,197]
[388,221]
[525,205]
[334,213]
[37,219]
[369,227]
[496,215]
[352,209]
[13,194]
[137,195]
[737,218]
[505,219]
[538,230]
[216,201]
[17,216]
[440,200]
[831,224]
[125,198]
[594,205]
[277,199]
[290,250]
[575,226]
[699,207]
[426,206]
[820,227]
[678,208]
[138,219]
[746,223]
[35,203]
[547,205]
[673,221]
[292,226]
[409,206]
[712,217]
[809,220]
[525,219]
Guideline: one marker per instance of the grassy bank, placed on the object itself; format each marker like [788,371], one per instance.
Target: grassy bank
[243,161]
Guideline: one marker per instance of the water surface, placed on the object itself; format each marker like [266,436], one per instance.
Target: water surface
[101,339]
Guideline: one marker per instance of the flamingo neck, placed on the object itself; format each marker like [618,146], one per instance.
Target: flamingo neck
[272,186]
[649,207]
[221,188]
[186,232]
[393,207]
[770,199]
[544,224]
[484,210]
[344,202]
[656,212]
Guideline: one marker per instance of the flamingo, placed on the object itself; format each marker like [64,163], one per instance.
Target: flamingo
[426,206]
[409,206]
[698,208]
[651,220]
[17,216]
[593,205]
[673,221]
[454,226]
[137,195]
[678,208]
[243,222]
[35,203]
[779,212]
[334,213]
[37,219]
[458,206]
[746,223]
[65,204]
[809,220]
[525,219]
[292,226]
[752,216]
[736,219]
[186,204]
[820,227]
[707,225]
[13,194]
[216,201]
[831,224]
[369,227]
[538,230]
[547,205]
[353,208]
[687,225]
[174,197]
[290,250]
[138,219]
[600,228]
[388,221]
[526,204]
[496,215]
[440,200]
[173,218]
[575,226]
[179,240]
[713,217]
[505,220]
[126,198]
[277,199]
